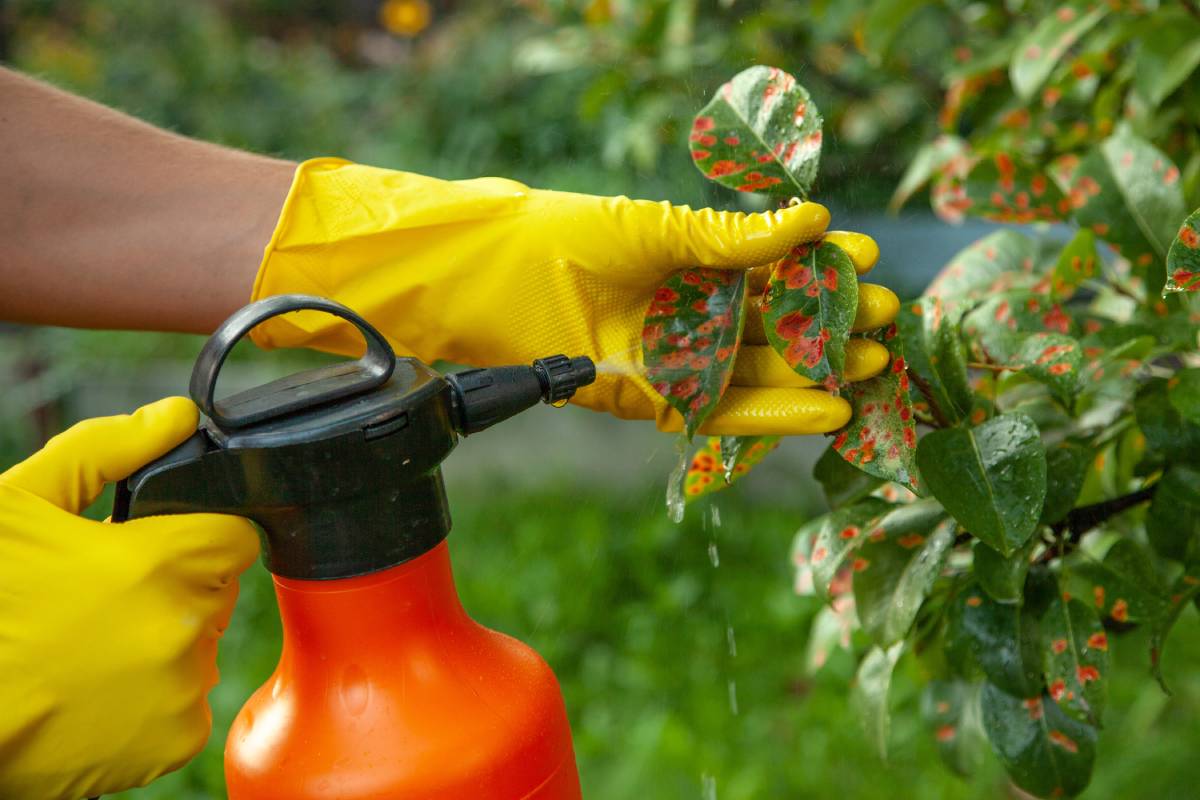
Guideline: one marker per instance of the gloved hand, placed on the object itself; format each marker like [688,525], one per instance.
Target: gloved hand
[108,633]
[488,271]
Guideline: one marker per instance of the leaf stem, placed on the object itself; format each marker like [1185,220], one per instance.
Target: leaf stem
[935,410]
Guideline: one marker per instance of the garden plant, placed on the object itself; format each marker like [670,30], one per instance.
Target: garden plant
[1020,486]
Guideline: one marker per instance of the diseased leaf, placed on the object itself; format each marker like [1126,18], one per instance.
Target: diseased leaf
[1168,434]
[991,478]
[894,572]
[1075,652]
[1049,358]
[689,339]
[1066,468]
[831,630]
[1036,55]
[835,536]
[1183,390]
[1183,259]
[808,309]
[1016,311]
[712,468]
[841,482]
[1003,578]
[929,159]
[951,710]
[881,437]
[929,337]
[1078,262]
[1002,638]
[1173,519]
[870,693]
[1002,188]
[1123,586]
[988,266]
[761,132]
[1185,589]
[1044,751]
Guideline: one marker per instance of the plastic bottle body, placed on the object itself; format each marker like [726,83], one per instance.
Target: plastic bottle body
[386,689]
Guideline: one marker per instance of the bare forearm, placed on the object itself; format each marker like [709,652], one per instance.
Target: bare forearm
[108,222]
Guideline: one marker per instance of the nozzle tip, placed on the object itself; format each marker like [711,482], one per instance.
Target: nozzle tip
[561,376]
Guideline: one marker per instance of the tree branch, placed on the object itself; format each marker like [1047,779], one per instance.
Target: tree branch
[927,391]
[1192,8]
[1071,528]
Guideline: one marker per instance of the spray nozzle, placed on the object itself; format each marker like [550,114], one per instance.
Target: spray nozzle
[483,397]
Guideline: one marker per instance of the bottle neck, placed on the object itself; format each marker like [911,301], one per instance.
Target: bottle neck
[372,618]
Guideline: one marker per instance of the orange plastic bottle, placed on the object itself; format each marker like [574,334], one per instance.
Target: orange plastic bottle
[387,690]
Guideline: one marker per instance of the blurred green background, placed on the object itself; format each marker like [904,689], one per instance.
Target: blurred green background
[680,648]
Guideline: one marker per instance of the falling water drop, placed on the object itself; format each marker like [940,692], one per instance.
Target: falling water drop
[708,785]
[732,642]
[675,501]
[714,555]
[715,513]
[733,705]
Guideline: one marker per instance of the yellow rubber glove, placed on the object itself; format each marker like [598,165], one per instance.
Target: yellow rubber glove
[488,272]
[108,633]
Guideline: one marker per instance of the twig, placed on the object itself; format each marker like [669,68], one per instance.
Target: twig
[1192,8]
[927,391]
[1071,528]
[990,366]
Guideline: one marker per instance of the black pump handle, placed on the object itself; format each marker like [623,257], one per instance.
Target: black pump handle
[295,392]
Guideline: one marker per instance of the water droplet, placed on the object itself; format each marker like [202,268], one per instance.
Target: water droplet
[716,516]
[732,642]
[708,787]
[675,501]
[714,555]
[733,705]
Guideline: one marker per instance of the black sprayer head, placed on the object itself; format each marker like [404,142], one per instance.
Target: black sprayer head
[341,465]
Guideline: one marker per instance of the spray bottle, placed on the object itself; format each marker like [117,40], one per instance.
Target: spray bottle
[385,688]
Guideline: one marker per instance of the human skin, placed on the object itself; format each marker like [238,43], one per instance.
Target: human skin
[108,222]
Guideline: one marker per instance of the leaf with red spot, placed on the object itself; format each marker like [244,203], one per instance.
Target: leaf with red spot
[1078,262]
[933,350]
[1037,53]
[996,263]
[761,132]
[835,536]
[896,566]
[712,467]
[1123,586]
[1044,751]
[1183,259]
[808,309]
[1049,358]
[881,437]
[1001,188]
[1185,589]
[929,160]
[689,338]
[1130,195]
[951,712]
[1075,656]
[831,630]
[1000,638]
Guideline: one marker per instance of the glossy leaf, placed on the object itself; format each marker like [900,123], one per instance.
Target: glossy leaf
[710,469]
[1049,358]
[1184,590]
[928,161]
[1001,188]
[1183,259]
[1168,433]
[1173,519]
[1183,390]
[991,478]
[1075,653]
[808,309]
[1123,586]
[1066,468]
[881,437]
[1168,55]
[985,267]
[838,534]
[1037,54]
[896,566]
[1078,262]
[831,631]
[870,693]
[1002,577]
[951,710]
[1002,638]
[690,337]
[1017,311]
[1044,751]
[933,350]
[761,132]
[841,482]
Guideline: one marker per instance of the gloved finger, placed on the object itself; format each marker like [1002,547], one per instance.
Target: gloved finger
[756,365]
[877,308]
[862,249]
[207,551]
[760,411]
[71,470]
[676,237]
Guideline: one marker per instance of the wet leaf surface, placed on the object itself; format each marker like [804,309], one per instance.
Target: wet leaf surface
[1075,653]
[951,711]
[1183,259]
[933,350]
[1002,638]
[870,695]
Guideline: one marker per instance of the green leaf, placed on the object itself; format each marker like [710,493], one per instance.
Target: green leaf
[1183,259]
[951,710]
[841,482]
[1038,52]
[881,437]
[1002,577]
[884,21]
[1129,194]
[929,337]
[1078,262]
[1017,311]
[831,630]
[1044,751]
[1002,188]
[837,534]
[761,132]
[1167,55]
[1002,638]
[690,335]
[870,693]
[1075,649]
[894,572]
[985,267]
[929,159]
[1183,390]
[992,478]
[1066,468]
[1173,519]
[1168,434]
[723,460]
[808,309]
[1049,358]
[1123,586]
[1184,590]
